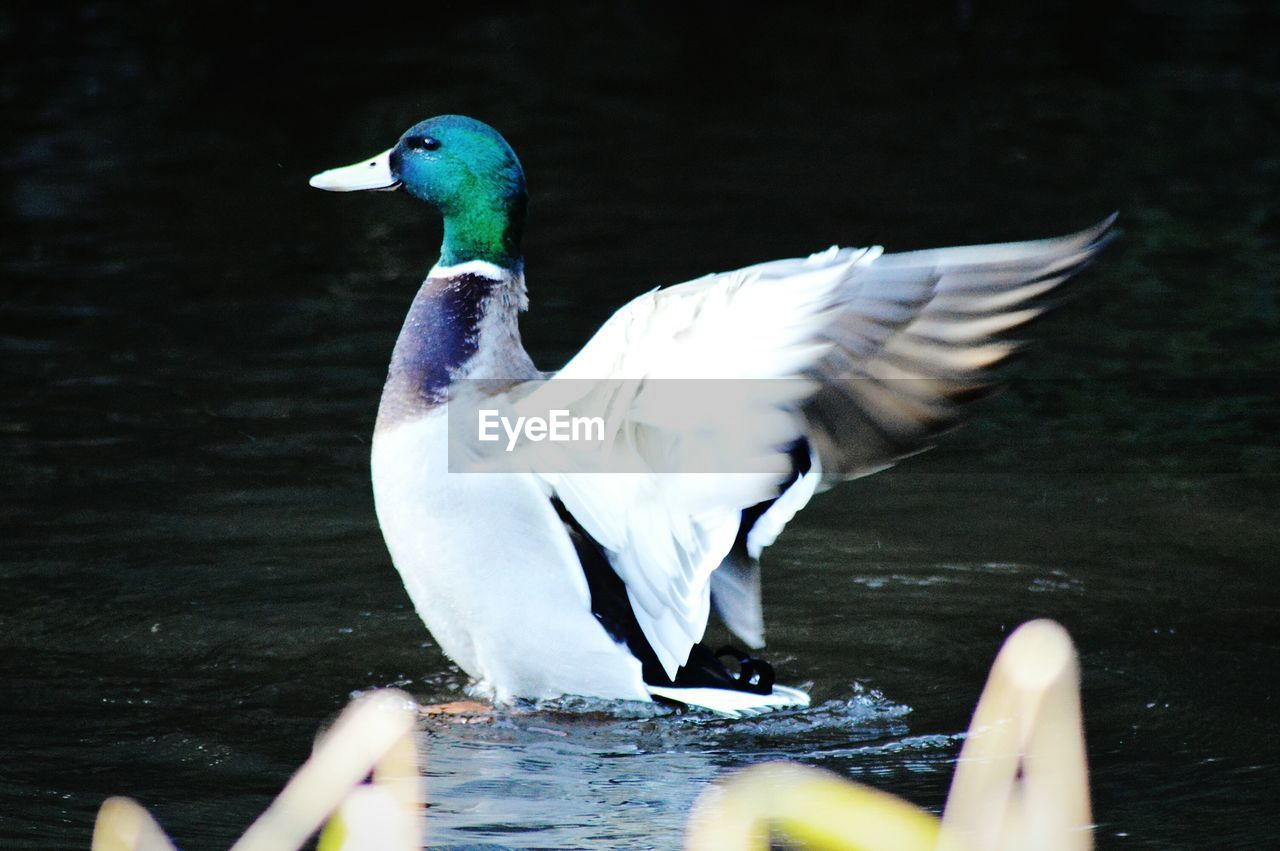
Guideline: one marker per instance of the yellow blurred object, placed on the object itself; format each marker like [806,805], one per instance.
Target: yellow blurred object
[1021,781]
[373,726]
[383,815]
[373,734]
[370,819]
[123,825]
[809,807]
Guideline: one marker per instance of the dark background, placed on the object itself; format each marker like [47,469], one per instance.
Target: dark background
[192,343]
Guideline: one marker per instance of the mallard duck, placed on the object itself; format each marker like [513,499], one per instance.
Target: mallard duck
[599,581]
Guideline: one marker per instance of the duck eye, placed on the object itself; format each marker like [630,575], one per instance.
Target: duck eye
[422,143]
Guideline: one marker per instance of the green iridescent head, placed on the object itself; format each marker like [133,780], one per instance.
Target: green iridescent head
[463,168]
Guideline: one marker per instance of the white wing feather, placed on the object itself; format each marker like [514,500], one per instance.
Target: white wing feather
[881,349]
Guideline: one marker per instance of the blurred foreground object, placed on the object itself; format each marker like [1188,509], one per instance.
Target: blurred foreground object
[123,825]
[373,734]
[807,808]
[1021,781]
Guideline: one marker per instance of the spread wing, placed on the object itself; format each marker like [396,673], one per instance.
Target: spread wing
[808,371]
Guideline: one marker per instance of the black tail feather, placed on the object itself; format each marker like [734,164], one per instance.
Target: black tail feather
[612,608]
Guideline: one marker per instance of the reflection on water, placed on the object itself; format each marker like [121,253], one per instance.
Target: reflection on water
[192,344]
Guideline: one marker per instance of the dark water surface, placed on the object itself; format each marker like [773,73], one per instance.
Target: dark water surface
[193,342]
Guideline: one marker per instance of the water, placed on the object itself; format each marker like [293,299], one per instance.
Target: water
[193,343]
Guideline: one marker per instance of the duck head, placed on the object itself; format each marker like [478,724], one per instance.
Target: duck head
[463,168]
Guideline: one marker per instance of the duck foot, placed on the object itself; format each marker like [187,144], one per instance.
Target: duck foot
[459,711]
